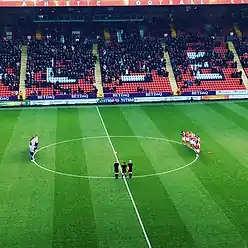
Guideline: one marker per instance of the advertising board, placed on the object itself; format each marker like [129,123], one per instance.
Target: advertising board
[93,3]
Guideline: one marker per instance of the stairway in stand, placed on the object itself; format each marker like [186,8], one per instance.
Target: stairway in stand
[173,31]
[22,87]
[107,36]
[239,67]
[98,75]
[237,31]
[172,78]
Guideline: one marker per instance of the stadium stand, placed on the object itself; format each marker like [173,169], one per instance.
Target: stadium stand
[203,64]
[239,65]
[242,50]
[10,57]
[133,65]
[60,67]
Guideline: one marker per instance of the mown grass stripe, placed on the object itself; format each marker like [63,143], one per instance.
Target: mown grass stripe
[27,200]
[201,213]
[74,221]
[231,115]
[8,120]
[227,131]
[118,125]
[111,200]
[163,217]
[225,176]
[238,108]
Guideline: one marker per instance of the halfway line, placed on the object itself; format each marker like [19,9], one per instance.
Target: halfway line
[125,181]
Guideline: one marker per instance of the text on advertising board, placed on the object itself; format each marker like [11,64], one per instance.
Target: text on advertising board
[64,3]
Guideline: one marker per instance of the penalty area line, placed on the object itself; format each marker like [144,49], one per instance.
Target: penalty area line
[125,181]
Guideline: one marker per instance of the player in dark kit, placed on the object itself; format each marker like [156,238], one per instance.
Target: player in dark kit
[130,168]
[124,169]
[116,169]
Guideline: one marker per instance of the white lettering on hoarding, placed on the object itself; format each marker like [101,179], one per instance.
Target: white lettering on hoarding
[4,98]
[57,3]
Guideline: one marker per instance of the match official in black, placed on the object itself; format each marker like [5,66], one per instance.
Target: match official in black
[130,168]
[124,169]
[116,169]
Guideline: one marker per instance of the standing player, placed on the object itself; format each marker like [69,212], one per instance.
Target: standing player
[197,149]
[183,137]
[36,142]
[116,169]
[198,139]
[124,169]
[31,150]
[187,137]
[32,141]
[198,146]
[194,142]
[130,168]
[192,138]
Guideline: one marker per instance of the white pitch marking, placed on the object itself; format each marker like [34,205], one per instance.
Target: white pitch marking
[63,173]
[5,186]
[100,137]
[125,181]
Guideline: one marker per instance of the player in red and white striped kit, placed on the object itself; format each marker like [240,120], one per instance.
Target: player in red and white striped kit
[197,146]
[183,137]
[192,141]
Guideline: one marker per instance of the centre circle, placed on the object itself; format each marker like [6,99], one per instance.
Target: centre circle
[145,138]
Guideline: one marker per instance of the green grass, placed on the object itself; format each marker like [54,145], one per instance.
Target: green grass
[202,205]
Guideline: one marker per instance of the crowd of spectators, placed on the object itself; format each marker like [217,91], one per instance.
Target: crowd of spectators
[210,59]
[242,50]
[66,58]
[10,58]
[130,56]
[57,88]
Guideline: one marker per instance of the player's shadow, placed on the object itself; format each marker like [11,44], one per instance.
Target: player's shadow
[25,156]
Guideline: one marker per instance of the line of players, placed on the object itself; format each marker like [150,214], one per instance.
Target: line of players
[124,169]
[191,140]
[33,146]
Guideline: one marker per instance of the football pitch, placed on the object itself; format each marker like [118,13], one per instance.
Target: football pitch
[69,198]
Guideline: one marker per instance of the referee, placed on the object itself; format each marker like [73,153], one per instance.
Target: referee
[130,168]
[124,169]
[116,169]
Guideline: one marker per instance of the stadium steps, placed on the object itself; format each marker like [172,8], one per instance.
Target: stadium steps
[239,67]
[173,31]
[172,78]
[107,35]
[23,70]
[237,31]
[98,75]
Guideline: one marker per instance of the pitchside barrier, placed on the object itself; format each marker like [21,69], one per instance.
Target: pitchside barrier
[124,98]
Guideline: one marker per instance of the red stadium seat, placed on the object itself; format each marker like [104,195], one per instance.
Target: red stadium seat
[10,58]
[227,83]
[63,62]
